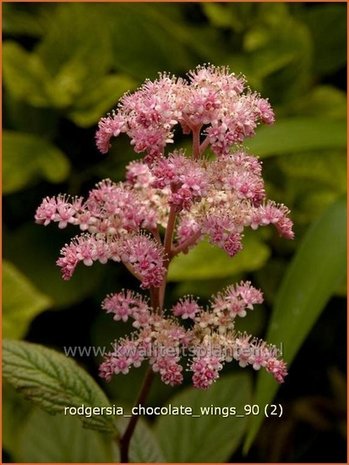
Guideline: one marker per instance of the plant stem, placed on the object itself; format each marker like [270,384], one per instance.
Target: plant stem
[167,246]
[157,296]
[187,243]
[204,145]
[196,142]
[169,232]
[155,299]
[156,235]
[126,437]
[143,393]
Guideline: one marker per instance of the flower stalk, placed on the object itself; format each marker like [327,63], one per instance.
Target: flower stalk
[131,426]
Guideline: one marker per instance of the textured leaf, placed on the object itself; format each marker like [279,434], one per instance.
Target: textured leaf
[298,135]
[206,261]
[28,158]
[21,302]
[45,438]
[144,445]
[182,438]
[53,381]
[312,277]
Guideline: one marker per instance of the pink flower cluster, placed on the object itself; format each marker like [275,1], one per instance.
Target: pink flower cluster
[211,98]
[217,200]
[112,219]
[166,205]
[187,180]
[209,342]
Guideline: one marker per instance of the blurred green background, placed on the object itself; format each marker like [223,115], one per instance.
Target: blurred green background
[66,65]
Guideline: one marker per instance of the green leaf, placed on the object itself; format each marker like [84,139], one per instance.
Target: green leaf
[39,262]
[32,435]
[144,445]
[28,158]
[143,25]
[312,277]
[298,135]
[210,438]
[324,100]
[15,411]
[77,36]
[235,16]
[220,15]
[268,55]
[25,75]
[53,381]
[67,62]
[21,302]
[314,202]
[99,99]
[45,438]
[67,84]
[206,261]
[279,49]
[328,168]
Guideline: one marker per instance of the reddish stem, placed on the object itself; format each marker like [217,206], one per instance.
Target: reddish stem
[143,393]
[204,145]
[187,243]
[156,234]
[157,296]
[196,142]
[126,437]
[168,246]
[169,232]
